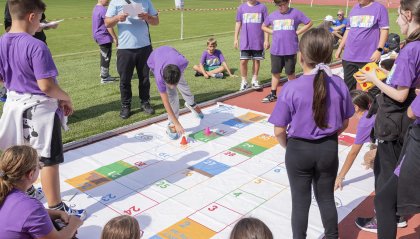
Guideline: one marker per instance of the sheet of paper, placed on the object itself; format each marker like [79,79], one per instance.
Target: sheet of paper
[133,10]
[50,24]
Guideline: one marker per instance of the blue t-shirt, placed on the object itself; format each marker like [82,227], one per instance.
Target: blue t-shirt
[134,32]
[337,23]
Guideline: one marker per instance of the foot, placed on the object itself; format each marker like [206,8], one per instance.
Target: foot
[147,108]
[195,109]
[197,74]
[256,85]
[171,132]
[218,75]
[36,193]
[269,98]
[125,112]
[108,79]
[367,224]
[401,222]
[244,86]
[81,213]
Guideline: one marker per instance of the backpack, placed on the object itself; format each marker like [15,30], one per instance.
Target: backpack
[393,42]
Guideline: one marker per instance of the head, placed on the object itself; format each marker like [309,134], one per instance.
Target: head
[211,44]
[316,47]
[27,11]
[103,2]
[361,100]
[252,2]
[19,166]
[364,2]
[122,227]
[171,75]
[409,19]
[282,5]
[251,228]
[340,14]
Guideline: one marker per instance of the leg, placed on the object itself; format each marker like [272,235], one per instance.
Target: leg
[185,91]
[173,100]
[197,68]
[255,67]
[143,73]
[106,52]
[289,66]
[385,204]
[385,162]
[349,69]
[219,69]
[244,69]
[275,80]
[125,67]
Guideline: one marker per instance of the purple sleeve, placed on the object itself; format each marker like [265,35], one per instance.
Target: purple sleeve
[221,57]
[415,107]
[383,18]
[265,13]
[405,71]
[348,106]
[43,63]
[183,63]
[363,131]
[281,115]
[156,72]
[203,58]
[239,14]
[267,21]
[303,18]
[38,224]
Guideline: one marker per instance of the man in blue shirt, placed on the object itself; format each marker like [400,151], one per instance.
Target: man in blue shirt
[339,26]
[134,48]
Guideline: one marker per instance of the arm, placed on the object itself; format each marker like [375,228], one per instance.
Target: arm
[51,89]
[337,28]
[227,68]
[280,133]
[237,30]
[266,29]
[410,113]
[204,71]
[342,44]
[304,28]
[354,151]
[376,56]
[110,22]
[171,114]
[73,223]
[345,124]
[152,20]
[114,37]
[266,40]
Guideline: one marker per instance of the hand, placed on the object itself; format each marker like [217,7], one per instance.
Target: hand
[386,72]
[376,56]
[338,53]
[67,107]
[366,76]
[179,129]
[236,44]
[338,183]
[54,26]
[75,221]
[115,41]
[122,17]
[144,16]
[266,45]
[63,216]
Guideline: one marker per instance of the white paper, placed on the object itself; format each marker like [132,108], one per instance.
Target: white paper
[50,24]
[133,10]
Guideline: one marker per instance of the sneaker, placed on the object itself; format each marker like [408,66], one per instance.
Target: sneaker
[256,85]
[81,213]
[401,222]
[197,74]
[109,79]
[36,193]
[171,132]
[367,224]
[125,112]
[269,98]
[244,86]
[147,108]
[218,75]
[195,110]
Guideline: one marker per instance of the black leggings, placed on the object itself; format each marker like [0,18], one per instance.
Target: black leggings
[313,162]
[386,208]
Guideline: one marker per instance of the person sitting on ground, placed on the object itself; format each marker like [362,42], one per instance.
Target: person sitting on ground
[212,62]
[251,228]
[122,227]
[20,215]
[339,26]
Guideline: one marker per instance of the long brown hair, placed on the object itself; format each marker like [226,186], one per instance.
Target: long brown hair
[251,228]
[15,163]
[121,227]
[414,7]
[315,47]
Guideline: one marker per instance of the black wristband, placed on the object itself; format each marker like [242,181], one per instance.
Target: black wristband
[380,49]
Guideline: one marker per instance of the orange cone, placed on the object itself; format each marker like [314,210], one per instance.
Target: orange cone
[184,141]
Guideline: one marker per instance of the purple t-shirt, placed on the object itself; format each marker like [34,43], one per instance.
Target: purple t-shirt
[294,107]
[161,57]
[215,59]
[415,107]
[285,39]
[363,129]
[406,69]
[251,18]
[24,60]
[364,30]
[23,217]
[99,31]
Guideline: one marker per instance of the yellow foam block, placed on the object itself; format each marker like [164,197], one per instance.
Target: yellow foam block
[372,66]
[186,228]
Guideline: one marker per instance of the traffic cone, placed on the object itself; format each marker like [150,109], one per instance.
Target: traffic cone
[184,141]
[207,131]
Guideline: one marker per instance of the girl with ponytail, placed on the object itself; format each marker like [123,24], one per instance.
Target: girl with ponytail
[315,108]
[20,215]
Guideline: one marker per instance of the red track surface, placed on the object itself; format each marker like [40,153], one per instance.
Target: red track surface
[347,228]
[386,3]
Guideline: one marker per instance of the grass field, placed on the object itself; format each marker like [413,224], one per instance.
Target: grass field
[77,57]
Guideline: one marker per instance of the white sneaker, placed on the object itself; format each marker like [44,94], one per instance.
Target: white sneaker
[256,85]
[244,86]
[36,193]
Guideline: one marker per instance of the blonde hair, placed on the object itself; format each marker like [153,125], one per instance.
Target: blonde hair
[211,41]
[251,228]
[15,163]
[121,227]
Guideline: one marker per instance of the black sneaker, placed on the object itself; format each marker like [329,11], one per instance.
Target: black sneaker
[367,224]
[197,74]
[125,112]
[401,222]
[269,98]
[147,108]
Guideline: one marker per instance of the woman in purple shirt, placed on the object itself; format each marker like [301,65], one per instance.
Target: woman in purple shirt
[314,109]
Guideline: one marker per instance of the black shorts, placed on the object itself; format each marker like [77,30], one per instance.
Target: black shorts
[278,62]
[252,55]
[57,155]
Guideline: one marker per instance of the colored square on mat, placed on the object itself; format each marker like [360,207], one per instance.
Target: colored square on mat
[186,228]
[216,217]
[264,140]
[117,169]
[248,149]
[252,117]
[209,167]
[241,201]
[200,136]
[235,122]
[87,181]
[132,204]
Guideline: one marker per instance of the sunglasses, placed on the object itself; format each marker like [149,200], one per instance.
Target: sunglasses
[340,15]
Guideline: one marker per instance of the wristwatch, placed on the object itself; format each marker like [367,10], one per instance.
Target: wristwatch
[380,49]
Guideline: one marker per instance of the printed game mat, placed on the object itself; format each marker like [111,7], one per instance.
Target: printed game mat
[231,167]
